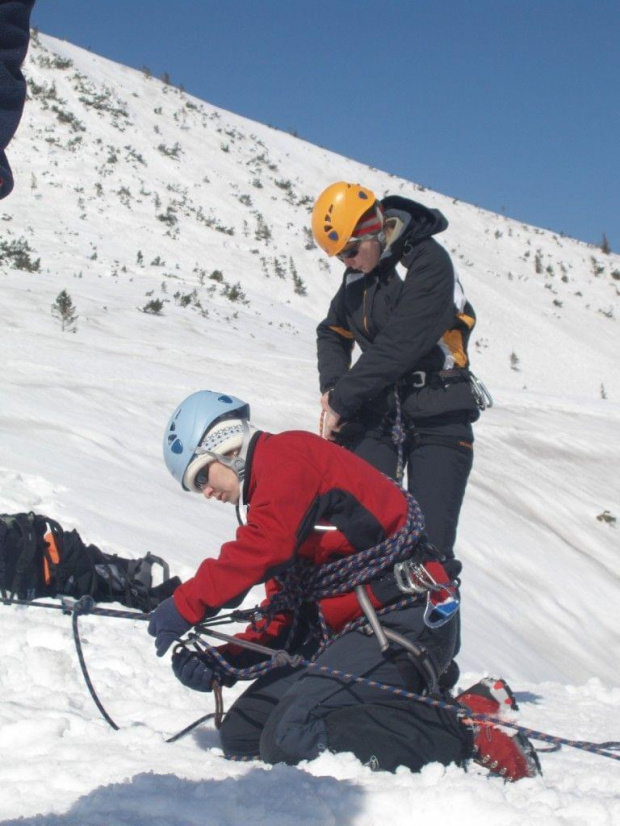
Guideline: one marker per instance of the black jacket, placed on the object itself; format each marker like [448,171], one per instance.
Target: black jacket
[411,332]
[14,36]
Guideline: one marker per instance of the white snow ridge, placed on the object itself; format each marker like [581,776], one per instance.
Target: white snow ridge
[180,233]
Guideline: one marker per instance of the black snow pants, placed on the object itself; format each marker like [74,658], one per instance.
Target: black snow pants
[291,714]
[438,456]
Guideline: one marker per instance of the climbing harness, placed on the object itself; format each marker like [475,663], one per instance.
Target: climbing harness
[303,583]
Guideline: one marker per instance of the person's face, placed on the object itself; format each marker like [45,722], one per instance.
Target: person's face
[362,255]
[222,484]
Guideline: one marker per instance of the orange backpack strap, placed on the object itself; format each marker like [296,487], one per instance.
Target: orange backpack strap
[51,556]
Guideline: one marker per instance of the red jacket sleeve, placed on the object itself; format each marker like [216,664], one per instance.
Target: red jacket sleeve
[284,488]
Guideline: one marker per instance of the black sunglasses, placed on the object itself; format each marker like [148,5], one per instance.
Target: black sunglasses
[202,478]
[349,252]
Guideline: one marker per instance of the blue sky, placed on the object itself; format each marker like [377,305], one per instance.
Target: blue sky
[510,105]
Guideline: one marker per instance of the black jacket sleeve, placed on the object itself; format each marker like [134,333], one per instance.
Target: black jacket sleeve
[425,310]
[334,343]
[14,37]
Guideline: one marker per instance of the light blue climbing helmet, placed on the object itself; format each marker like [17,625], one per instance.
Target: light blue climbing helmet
[204,427]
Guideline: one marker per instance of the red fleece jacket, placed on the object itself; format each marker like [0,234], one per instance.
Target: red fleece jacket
[294,481]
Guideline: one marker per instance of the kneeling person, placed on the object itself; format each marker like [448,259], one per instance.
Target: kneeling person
[310,504]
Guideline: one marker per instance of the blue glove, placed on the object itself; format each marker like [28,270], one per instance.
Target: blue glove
[191,670]
[167,625]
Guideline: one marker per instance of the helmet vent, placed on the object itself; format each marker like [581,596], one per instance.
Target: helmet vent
[176,445]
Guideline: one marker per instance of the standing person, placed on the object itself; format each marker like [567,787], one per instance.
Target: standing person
[14,37]
[413,333]
[326,589]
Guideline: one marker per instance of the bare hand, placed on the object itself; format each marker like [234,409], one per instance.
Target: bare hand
[331,424]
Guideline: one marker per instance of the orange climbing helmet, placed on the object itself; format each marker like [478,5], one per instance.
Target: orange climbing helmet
[338,211]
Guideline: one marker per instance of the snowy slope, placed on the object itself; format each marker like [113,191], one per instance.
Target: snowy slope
[130,191]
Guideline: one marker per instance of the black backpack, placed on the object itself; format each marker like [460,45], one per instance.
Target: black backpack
[39,558]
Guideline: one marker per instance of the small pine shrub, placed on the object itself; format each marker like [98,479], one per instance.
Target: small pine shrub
[233,292]
[153,307]
[170,151]
[184,299]
[287,186]
[42,92]
[263,233]
[17,254]
[134,155]
[69,118]
[278,268]
[605,248]
[64,310]
[300,287]
[607,517]
[538,263]
[309,243]
[168,217]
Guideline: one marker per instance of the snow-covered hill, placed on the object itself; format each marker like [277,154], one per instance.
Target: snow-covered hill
[181,234]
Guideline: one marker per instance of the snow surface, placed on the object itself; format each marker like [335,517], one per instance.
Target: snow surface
[117,222]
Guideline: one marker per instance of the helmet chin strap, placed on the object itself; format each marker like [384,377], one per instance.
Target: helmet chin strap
[237,464]
[242,514]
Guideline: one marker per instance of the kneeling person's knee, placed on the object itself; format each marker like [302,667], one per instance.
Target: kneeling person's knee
[291,735]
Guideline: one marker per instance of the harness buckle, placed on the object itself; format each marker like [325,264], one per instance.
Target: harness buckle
[480,393]
[418,378]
